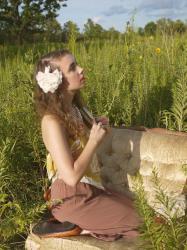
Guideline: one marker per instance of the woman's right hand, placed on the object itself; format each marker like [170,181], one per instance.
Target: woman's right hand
[97,133]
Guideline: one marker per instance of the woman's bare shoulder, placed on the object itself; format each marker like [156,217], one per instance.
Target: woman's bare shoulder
[47,117]
[50,120]
[51,126]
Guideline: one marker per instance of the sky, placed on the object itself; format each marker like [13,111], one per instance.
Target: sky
[116,13]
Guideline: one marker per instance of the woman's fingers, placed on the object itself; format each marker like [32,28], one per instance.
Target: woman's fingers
[94,121]
[103,119]
[97,125]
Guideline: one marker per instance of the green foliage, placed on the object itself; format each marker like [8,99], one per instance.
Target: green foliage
[150,28]
[176,118]
[21,18]
[70,31]
[168,26]
[52,31]
[93,30]
[22,156]
[157,231]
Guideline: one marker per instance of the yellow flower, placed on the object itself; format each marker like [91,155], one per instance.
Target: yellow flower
[151,37]
[158,50]
[141,57]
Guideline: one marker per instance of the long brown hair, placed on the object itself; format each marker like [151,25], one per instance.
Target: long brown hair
[52,103]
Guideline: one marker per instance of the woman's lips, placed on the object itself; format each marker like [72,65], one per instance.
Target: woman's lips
[83,79]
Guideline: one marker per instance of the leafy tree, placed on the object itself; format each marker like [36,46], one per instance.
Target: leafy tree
[3,31]
[165,25]
[70,30]
[93,30]
[140,31]
[53,30]
[112,33]
[179,26]
[26,17]
[150,28]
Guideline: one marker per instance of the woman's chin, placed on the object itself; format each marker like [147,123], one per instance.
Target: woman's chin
[82,84]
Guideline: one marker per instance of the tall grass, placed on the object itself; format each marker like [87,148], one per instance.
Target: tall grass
[159,233]
[136,81]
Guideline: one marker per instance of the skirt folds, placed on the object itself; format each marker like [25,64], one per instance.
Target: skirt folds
[107,215]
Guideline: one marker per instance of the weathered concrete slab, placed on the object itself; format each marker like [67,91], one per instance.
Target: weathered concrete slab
[126,152]
[85,242]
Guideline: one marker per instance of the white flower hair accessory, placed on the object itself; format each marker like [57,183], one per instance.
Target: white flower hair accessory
[47,81]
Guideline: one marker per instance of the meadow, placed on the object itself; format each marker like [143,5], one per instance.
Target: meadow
[134,81]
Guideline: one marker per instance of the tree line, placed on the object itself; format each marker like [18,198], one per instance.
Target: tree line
[36,21]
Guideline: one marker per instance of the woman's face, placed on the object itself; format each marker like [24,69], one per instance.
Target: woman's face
[72,73]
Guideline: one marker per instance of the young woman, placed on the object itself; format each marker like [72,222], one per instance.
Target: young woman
[71,139]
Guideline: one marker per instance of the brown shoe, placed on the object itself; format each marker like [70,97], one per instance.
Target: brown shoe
[53,228]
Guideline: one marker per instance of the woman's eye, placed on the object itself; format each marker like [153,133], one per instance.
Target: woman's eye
[73,67]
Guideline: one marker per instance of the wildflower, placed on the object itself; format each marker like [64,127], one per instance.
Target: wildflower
[141,57]
[158,50]
[151,37]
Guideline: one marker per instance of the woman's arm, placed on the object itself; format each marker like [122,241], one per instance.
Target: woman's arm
[55,140]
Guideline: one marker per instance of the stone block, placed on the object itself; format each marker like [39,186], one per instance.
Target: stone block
[33,242]
[126,152]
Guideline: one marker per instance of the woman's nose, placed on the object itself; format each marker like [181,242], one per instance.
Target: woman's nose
[81,70]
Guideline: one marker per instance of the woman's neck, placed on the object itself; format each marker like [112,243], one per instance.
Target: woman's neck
[68,101]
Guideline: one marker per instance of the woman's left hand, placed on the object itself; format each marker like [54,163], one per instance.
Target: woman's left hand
[105,122]
[103,119]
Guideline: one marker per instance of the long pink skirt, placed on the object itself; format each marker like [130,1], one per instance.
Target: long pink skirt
[107,215]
